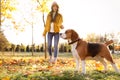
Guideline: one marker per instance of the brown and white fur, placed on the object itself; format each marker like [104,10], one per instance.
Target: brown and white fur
[82,50]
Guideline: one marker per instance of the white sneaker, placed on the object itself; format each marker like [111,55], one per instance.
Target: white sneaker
[50,60]
[54,61]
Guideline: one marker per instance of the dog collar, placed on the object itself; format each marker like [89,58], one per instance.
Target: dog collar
[73,41]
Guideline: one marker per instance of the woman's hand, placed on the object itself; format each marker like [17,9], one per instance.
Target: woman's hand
[43,35]
[62,27]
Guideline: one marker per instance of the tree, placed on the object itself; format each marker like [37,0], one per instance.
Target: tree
[43,8]
[31,20]
[6,8]
[5,13]
[92,37]
[3,42]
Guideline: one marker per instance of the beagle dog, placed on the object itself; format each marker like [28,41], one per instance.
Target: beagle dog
[83,50]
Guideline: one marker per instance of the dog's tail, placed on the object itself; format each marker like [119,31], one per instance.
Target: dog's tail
[108,42]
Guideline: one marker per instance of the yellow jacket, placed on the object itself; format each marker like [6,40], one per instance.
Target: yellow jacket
[57,24]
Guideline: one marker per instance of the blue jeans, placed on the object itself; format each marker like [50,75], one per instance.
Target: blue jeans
[56,40]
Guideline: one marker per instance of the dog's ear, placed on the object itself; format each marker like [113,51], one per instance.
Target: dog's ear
[74,35]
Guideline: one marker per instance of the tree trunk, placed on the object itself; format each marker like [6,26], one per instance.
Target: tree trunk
[0,16]
[32,41]
[45,39]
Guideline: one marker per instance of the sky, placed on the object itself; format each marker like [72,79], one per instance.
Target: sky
[84,16]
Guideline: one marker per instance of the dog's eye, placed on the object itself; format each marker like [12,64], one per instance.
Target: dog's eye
[66,32]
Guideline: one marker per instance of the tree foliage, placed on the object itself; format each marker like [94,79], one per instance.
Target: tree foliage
[43,5]
[7,6]
[92,37]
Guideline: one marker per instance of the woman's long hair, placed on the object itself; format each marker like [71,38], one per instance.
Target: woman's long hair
[53,19]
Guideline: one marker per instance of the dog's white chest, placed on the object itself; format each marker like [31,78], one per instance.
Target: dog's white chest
[74,51]
[73,46]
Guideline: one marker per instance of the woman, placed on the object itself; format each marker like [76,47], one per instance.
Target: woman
[52,27]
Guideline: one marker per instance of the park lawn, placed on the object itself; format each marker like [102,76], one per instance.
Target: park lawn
[23,66]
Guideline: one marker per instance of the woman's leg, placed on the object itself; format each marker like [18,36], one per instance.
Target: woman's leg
[56,41]
[50,36]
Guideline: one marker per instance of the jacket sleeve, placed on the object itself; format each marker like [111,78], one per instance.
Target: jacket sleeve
[60,21]
[46,26]
[44,32]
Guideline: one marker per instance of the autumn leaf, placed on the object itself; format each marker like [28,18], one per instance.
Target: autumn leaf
[0,62]
[6,78]
[27,73]
[98,66]
[119,65]
[50,66]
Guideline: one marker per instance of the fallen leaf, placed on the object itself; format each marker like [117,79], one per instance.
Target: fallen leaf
[6,78]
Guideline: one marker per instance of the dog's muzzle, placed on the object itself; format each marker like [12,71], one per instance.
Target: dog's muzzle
[62,35]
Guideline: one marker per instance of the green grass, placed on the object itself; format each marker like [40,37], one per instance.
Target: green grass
[35,54]
[66,75]
[63,71]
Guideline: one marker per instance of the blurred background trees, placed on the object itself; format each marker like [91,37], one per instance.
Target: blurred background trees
[92,37]
[3,42]
[6,7]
